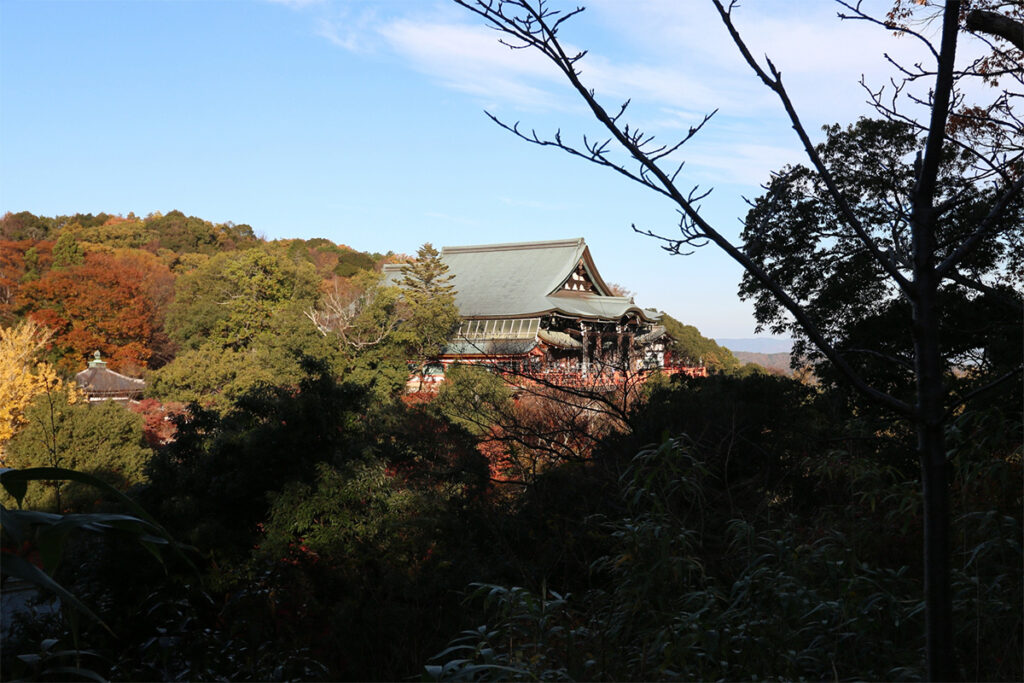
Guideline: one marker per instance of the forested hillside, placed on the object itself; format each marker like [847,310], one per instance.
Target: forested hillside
[203,311]
[312,520]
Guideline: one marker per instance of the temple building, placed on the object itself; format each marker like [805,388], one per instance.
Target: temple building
[543,308]
[99,383]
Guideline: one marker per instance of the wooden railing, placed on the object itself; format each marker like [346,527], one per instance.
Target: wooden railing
[568,377]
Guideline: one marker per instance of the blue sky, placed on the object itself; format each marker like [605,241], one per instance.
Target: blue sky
[363,122]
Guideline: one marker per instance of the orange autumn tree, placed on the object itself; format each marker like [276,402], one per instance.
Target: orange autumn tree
[20,262]
[106,303]
[158,284]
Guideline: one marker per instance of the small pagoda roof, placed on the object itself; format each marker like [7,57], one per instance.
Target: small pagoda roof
[98,381]
[528,279]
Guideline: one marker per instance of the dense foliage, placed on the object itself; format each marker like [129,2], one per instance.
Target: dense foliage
[731,527]
[795,232]
[63,430]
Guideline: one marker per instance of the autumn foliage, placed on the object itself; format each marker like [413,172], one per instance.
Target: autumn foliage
[21,377]
[105,304]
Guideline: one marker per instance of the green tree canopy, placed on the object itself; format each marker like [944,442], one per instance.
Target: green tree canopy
[125,233]
[235,295]
[796,233]
[182,233]
[216,376]
[103,439]
[67,251]
[211,481]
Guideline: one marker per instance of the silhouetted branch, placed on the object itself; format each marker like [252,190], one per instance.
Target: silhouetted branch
[986,226]
[774,83]
[860,15]
[996,24]
[966,398]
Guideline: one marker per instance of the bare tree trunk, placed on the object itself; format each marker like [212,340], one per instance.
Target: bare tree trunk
[935,493]
[931,392]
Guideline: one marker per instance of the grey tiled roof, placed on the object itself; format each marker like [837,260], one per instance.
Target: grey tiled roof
[99,381]
[524,279]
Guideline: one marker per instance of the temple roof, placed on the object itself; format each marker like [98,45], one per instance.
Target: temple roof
[530,279]
[99,382]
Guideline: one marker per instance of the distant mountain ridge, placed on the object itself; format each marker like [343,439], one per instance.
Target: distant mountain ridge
[758,344]
[775,362]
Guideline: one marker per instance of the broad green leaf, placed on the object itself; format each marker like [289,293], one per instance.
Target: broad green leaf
[20,568]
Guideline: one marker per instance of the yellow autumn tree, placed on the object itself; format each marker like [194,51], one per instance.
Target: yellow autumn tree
[21,377]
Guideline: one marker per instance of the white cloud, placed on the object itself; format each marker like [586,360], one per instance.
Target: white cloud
[334,32]
[674,60]
[470,59]
[821,57]
[348,27]
[741,163]
[657,85]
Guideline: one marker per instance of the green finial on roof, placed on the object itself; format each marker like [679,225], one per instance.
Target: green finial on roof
[96,362]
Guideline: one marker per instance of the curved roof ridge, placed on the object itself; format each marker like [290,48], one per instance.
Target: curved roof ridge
[108,371]
[514,246]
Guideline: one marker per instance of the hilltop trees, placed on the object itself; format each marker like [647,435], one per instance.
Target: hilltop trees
[695,349]
[235,295]
[181,233]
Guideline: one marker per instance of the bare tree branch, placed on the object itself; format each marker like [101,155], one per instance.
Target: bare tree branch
[985,227]
[966,398]
[774,83]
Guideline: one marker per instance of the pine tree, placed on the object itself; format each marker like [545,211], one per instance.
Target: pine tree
[430,312]
[427,276]
[67,251]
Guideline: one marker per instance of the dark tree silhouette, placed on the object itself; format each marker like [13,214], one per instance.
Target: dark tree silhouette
[917,268]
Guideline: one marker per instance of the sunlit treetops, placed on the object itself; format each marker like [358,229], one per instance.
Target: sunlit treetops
[106,282]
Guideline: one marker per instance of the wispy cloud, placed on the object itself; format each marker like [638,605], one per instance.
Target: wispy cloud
[821,57]
[740,163]
[470,59]
[350,27]
[674,61]
[338,34]
[298,4]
